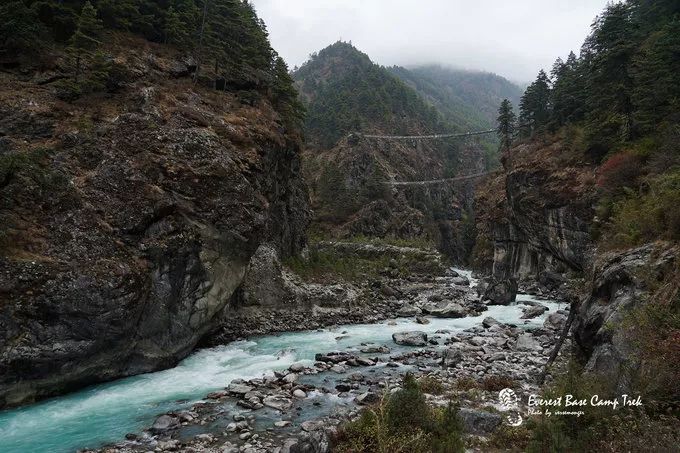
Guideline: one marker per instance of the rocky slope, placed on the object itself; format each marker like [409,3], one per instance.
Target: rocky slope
[130,218]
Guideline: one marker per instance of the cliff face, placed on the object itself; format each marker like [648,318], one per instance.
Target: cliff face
[129,220]
[621,283]
[536,215]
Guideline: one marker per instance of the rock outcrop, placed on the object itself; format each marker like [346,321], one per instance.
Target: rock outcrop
[534,218]
[620,285]
[130,220]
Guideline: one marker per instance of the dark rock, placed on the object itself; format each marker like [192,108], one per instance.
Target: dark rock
[501,292]
[164,423]
[451,357]
[479,422]
[489,321]
[413,338]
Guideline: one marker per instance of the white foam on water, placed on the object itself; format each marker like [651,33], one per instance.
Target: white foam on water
[105,413]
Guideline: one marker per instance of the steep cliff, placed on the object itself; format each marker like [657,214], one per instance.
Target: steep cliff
[129,218]
[608,329]
[534,217]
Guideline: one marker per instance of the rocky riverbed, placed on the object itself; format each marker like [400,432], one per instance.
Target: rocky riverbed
[436,328]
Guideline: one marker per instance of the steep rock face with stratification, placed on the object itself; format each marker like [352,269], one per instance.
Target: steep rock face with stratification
[129,220]
[534,217]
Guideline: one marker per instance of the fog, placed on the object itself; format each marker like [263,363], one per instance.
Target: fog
[513,38]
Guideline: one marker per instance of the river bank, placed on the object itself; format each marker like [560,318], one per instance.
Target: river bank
[271,392]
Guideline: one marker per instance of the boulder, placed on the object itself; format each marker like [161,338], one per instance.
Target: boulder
[489,321]
[412,338]
[534,312]
[526,342]
[367,398]
[278,402]
[408,310]
[164,423]
[555,321]
[451,357]
[460,281]
[502,292]
[239,389]
[298,393]
[479,422]
[297,367]
[448,310]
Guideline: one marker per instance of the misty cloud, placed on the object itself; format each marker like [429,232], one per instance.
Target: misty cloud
[514,38]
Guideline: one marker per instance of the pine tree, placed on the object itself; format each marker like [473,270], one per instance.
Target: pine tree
[284,94]
[567,94]
[86,38]
[535,106]
[181,23]
[123,14]
[610,49]
[506,124]
[20,31]
[656,73]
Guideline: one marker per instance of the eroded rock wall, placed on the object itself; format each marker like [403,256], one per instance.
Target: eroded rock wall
[130,220]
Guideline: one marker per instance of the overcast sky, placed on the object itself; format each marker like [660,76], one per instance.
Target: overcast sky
[513,38]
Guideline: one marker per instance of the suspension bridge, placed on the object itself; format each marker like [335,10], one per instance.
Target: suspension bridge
[423,137]
[358,135]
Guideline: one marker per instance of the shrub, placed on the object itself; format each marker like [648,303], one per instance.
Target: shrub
[407,408]
[402,423]
[431,385]
[497,383]
[649,216]
[619,171]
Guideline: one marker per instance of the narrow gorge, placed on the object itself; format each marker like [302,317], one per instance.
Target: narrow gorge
[204,251]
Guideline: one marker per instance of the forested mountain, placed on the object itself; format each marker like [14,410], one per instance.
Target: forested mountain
[345,91]
[619,104]
[226,40]
[467,99]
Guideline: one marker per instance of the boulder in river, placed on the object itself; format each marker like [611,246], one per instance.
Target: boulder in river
[412,338]
[489,321]
[278,402]
[164,423]
[448,310]
[460,281]
[502,292]
[555,321]
[422,320]
[534,311]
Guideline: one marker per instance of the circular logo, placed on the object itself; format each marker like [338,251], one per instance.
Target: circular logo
[514,419]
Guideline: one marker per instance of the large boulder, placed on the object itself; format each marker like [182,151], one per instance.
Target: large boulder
[501,292]
[451,357]
[448,310]
[534,311]
[408,310]
[413,338]
[479,422]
